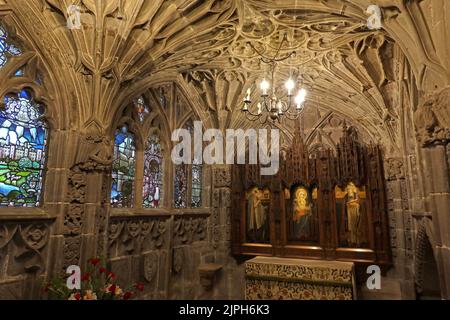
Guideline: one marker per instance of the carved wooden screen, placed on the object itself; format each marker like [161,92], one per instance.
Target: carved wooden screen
[329,205]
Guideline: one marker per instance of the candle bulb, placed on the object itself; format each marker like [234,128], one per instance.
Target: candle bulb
[300,98]
[264,87]
[259,108]
[290,85]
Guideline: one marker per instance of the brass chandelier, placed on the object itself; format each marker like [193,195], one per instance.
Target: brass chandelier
[270,107]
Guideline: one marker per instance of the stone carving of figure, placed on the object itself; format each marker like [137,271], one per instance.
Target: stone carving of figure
[353,213]
[301,211]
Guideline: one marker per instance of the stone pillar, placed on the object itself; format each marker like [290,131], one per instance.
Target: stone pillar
[400,225]
[439,199]
[86,211]
[432,121]
[231,280]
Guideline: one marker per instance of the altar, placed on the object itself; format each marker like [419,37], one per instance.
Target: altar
[274,278]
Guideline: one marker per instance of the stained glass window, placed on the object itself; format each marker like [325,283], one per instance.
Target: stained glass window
[123,169]
[153,174]
[188,180]
[141,108]
[180,186]
[196,187]
[6,48]
[23,139]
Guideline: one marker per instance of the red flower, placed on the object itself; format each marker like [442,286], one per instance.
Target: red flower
[77,296]
[127,295]
[139,286]
[102,270]
[112,288]
[85,277]
[94,261]
[111,275]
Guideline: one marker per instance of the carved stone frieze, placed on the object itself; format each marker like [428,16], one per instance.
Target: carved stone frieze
[24,244]
[394,169]
[131,236]
[189,229]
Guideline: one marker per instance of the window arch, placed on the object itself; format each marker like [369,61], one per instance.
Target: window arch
[23,132]
[23,141]
[123,169]
[143,175]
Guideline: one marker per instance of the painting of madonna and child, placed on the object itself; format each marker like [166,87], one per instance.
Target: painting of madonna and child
[302,218]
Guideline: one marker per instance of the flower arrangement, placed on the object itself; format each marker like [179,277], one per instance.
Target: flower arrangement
[97,283]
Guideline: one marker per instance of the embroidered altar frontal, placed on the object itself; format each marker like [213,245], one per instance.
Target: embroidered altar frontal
[271,278]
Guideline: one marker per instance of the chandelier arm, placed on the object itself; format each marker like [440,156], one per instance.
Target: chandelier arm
[292,116]
[255,117]
[262,56]
[285,57]
[265,120]
[251,113]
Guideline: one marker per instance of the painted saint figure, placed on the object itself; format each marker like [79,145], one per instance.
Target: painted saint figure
[352,204]
[256,215]
[301,212]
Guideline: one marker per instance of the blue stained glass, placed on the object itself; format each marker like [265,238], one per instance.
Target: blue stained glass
[123,170]
[23,139]
[6,48]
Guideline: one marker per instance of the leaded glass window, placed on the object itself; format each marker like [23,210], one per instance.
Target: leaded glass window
[23,140]
[123,170]
[188,180]
[180,186]
[6,48]
[196,186]
[141,108]
[153,174]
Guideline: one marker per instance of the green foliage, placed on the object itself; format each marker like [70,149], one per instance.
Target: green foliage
[25,163]
[12,195]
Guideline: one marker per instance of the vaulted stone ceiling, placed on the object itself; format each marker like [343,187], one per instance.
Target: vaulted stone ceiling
[125,47]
